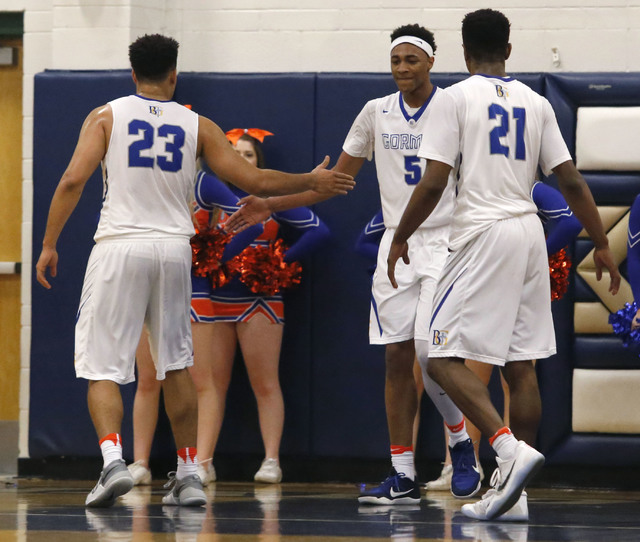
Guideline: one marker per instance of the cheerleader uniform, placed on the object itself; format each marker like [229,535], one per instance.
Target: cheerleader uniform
[234,301]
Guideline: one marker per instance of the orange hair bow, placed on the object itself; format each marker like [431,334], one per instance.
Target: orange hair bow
[237,133]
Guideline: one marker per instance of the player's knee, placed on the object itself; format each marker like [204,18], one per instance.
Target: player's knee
[401,353]
[435,368]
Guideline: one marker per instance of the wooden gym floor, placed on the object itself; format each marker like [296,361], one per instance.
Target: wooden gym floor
[35,510]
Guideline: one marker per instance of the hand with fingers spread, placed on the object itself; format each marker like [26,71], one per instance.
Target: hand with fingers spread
[331,182]
[253,210]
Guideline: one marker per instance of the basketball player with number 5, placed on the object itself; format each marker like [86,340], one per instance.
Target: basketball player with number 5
[492,302]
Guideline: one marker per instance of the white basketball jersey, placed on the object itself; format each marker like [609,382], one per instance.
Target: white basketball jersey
[149,170]
[385,129]
[495,131]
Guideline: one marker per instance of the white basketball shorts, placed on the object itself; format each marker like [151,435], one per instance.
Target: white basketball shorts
[493,301]
[128,283]
[402,314]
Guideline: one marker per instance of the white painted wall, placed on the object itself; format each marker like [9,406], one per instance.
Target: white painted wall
[297,36]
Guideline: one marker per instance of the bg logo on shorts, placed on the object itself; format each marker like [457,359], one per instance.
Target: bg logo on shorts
[440,337]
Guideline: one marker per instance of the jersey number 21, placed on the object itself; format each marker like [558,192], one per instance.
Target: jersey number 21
[496,135]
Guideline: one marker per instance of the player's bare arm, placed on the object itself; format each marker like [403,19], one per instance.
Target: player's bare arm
[576,191]
[424,199]
[90,150]
[214,147]
[254,210]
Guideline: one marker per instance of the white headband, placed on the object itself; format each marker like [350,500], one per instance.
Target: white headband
[413,41]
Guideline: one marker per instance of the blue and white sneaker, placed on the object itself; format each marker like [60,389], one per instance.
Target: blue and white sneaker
[466,479]
[396,489]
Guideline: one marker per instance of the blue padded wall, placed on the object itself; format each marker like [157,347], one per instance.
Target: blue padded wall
[59,420]
[348,378]
[566,93]
[332,379]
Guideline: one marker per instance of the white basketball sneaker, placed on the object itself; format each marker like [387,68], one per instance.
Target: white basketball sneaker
[508,481]
[518,512]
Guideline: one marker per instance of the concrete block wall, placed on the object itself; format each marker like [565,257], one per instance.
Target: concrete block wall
[294,36]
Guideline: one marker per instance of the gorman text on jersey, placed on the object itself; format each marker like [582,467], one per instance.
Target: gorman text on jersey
[401,141]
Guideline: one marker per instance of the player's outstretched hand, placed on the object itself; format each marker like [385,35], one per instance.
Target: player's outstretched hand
[603,258]
[48,260]
[253,210]
[396,251]
[330,182]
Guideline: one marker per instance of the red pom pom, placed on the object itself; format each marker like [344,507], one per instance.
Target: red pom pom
[263,269]
[222,275]
[206,251]
[559,266]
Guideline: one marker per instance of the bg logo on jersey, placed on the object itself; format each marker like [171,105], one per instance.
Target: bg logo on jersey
[440,337]
[502,92]
[155,110]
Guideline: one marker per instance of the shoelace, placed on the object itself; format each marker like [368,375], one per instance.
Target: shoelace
[396,479]
[496,478]
[460,463]
[172,480]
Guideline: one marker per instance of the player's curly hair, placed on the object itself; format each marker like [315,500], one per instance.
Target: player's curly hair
[153,56]
[417,31]
[485,35]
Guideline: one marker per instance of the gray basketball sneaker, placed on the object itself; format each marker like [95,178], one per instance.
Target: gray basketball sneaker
[185,492]
[115,480]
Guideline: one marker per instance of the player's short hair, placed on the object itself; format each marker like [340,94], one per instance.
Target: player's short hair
[485,34]
[153,56]
[417,31]
[257,148]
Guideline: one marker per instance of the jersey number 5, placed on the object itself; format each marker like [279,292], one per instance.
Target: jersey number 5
[174,136]
[413,170]
[500,131]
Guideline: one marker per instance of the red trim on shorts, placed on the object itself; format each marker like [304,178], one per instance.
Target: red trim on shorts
[202,307]
[210,311]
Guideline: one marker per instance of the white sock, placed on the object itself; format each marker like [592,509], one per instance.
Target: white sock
[404,464]
[111,447]
[187,462]
[457,434]
[505,445]
[450,413]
